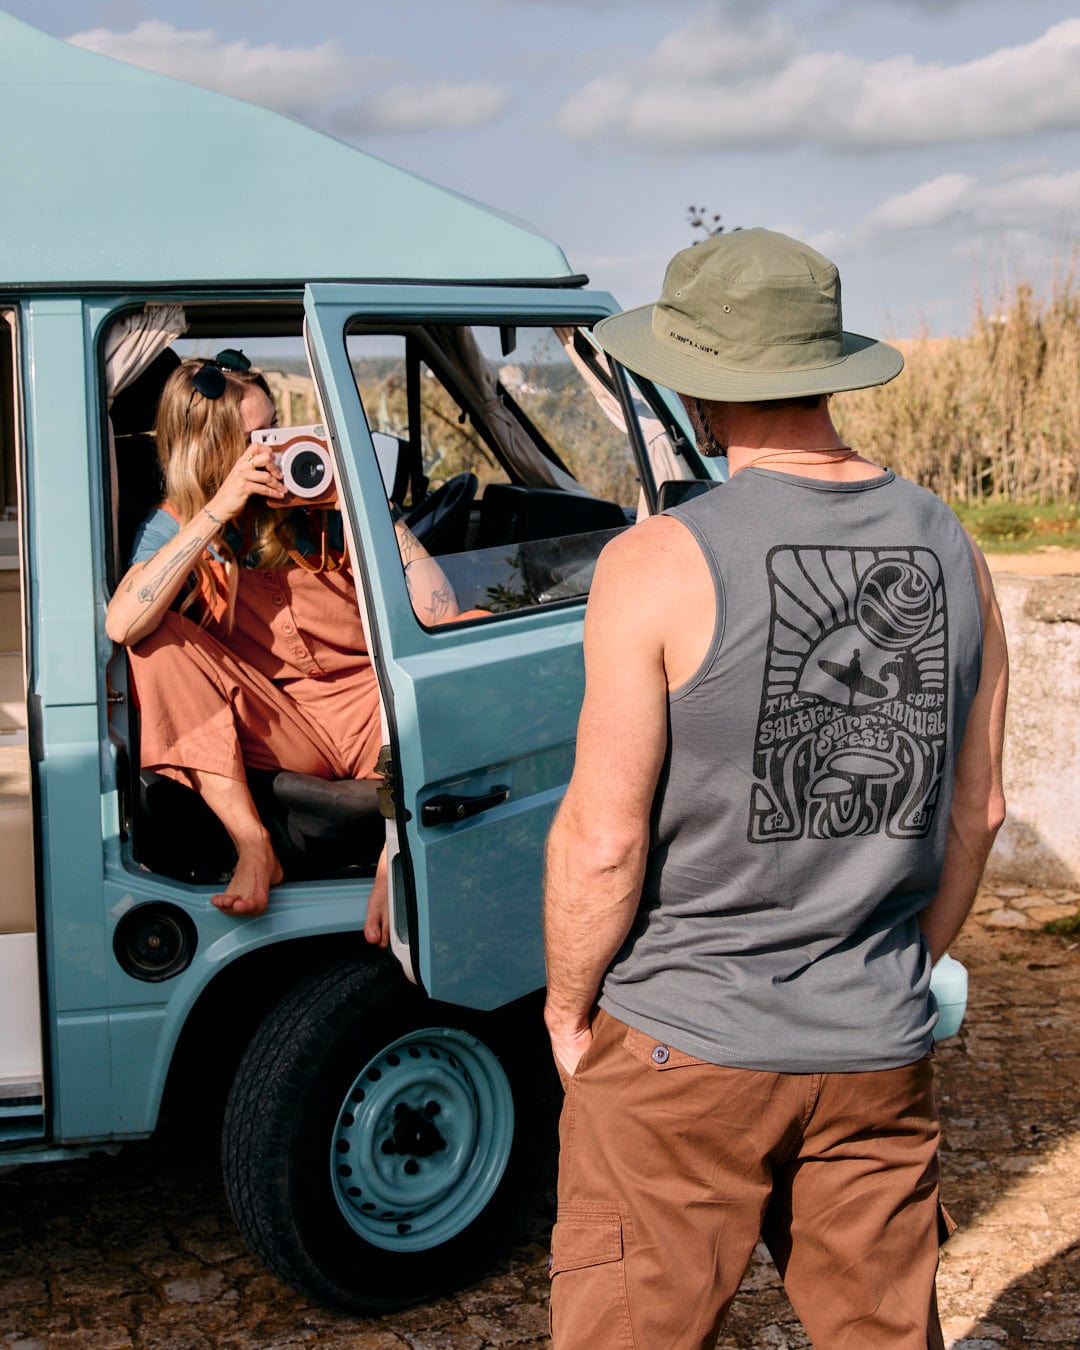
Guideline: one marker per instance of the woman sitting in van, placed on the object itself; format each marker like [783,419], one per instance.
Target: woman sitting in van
[246,645]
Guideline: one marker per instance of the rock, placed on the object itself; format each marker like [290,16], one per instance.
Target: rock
[1006,918]
[203,1289]
[1050,913]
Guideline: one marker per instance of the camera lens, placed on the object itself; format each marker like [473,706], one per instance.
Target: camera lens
[308,470]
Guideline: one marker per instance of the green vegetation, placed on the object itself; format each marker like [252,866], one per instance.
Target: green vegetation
[1069,927]
[1015,527]
[989,418]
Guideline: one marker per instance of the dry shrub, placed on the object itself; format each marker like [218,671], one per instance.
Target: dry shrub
[994,415]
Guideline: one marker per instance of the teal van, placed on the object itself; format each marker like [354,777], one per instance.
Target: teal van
[387,1114]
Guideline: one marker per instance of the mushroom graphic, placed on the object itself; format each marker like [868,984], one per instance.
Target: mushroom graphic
[840,785]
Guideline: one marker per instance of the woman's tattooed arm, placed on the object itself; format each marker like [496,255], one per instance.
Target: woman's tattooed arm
[160,577]
[431,594]
[149,588]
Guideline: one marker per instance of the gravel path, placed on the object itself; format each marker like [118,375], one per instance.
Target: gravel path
[138,1252]
[1051,560]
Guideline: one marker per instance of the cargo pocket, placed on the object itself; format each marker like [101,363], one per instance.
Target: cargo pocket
[589,1306]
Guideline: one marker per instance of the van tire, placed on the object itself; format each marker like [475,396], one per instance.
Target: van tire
[444,1116]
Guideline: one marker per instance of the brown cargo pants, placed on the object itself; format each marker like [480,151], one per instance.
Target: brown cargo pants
[671,1168]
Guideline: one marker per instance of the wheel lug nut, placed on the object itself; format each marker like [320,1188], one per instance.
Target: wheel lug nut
[412,1167]
[432,1109]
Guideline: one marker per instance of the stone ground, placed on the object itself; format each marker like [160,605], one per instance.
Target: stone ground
[1048,560]
[138,1252]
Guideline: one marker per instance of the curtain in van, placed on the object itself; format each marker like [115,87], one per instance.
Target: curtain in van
[665,463]
[131,346]
[136,341]
[480,383]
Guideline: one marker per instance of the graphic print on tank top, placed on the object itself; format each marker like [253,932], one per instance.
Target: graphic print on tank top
[852,725]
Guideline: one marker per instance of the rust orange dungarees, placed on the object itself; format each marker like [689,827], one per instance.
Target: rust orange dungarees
[290,686]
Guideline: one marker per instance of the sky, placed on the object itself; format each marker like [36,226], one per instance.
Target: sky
[931,148]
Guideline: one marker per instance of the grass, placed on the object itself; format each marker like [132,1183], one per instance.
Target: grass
[1069,927]
[1017,527]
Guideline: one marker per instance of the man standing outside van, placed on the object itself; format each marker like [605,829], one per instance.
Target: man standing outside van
[787,783]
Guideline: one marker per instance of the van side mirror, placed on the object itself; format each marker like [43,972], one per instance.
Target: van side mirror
[675,491]
[388,452]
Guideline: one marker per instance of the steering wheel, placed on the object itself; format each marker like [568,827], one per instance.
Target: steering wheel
[441,519]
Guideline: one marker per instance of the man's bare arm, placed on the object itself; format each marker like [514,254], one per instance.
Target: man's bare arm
[978,804]
[599,842]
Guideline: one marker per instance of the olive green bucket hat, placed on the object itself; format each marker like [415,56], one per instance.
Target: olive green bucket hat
[745,316]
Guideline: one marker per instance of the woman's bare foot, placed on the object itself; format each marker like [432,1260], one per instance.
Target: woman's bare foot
[248,893]
[377,919]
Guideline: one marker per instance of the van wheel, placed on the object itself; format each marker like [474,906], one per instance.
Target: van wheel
[378,1148]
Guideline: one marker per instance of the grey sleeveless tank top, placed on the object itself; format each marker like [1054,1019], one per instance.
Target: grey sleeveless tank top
[800,819]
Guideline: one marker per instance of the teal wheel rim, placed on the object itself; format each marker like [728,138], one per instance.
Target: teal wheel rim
[422,1139]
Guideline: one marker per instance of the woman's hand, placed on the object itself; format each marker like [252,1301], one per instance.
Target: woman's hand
[253,475]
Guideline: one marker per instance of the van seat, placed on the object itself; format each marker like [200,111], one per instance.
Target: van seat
[17,910]
[319,828]
[512,514]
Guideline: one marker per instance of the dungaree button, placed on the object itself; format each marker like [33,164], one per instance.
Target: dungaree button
[661,1054]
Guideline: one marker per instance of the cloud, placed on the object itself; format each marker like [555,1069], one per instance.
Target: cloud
[715,84]
[289,79]
[317,84]
[1043,202]
[931,204]
[707,49]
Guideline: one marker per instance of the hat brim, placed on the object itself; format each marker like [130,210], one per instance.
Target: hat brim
[629,338]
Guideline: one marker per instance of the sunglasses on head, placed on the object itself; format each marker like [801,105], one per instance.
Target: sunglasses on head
[209,380]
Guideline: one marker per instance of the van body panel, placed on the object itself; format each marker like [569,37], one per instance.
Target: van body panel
[144,1021]
[59,494]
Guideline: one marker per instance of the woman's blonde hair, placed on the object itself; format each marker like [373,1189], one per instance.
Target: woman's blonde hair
[199,439]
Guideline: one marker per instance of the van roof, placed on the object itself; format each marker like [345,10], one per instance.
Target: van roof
[111,175]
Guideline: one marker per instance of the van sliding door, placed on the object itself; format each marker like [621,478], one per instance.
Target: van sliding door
[21,1086]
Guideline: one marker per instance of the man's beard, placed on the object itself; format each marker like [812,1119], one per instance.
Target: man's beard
[710,444]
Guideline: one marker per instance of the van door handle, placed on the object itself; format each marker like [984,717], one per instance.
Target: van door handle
[447,807]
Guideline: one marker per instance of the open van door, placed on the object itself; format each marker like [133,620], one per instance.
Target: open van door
[382,1140]
[481,714]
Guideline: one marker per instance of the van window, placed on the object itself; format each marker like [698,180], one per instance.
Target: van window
[514,465]
[516,474]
